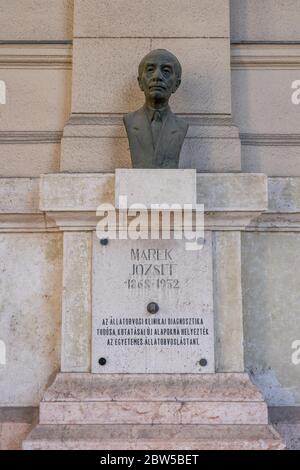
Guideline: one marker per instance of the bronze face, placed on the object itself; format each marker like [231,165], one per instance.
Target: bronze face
[159,76]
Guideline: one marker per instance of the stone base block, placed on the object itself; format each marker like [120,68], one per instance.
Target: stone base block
[159,411]
[158,186]
[157,437]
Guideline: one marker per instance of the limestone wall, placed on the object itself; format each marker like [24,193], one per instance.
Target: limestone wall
[265,57]
[35,76]
[35,66]
[271,280]
[265,54]
[30,285]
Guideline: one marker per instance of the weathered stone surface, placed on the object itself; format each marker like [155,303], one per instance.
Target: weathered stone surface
[104,18]
[108,85]
[254,20]
[28,159]
[271,111]
[228,302]
[19,195]
[217,191]
[29,315]
[213,154]
[229,387]
[76,302]
[13,434]
[105,147]
[94,154]
[38,89]
[270,278]
[164,437]
[36,19]
[38,98]
[153,413]
[159,186]
[290,434]
[170,404]
[62,192]
[205,86]
[15,425]
[284,195]
[274,160]
[241,191]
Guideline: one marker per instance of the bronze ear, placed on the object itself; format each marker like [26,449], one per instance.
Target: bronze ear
[177,84]
[140,83]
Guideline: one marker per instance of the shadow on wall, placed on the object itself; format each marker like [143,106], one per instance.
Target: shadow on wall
[2,92]
[2,353]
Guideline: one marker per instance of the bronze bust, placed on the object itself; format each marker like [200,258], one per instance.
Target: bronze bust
[155,134]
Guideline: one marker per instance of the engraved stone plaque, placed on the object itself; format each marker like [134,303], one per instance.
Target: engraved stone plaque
[129,336]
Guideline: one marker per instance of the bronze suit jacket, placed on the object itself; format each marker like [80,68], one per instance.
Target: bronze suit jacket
[167,151]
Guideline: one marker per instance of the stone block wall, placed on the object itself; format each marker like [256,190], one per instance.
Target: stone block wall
[36,67]
[265,61]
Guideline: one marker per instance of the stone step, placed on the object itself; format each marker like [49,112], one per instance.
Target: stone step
[153,437]
[81,387]
[147,412]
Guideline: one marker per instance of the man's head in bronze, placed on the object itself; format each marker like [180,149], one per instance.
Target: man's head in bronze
[159,77]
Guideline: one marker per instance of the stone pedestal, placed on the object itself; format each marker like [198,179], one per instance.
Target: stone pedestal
[177,411]
[192,409]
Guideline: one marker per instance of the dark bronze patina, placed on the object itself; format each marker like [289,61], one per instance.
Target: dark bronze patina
[155,134]
[152,307]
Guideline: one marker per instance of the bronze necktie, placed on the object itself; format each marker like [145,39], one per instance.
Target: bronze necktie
[156,127]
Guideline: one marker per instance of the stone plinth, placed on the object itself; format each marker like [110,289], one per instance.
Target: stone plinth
[159,437]
[178,411]
[153,409]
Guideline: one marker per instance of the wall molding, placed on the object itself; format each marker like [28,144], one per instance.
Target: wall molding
[270,140]
[82,119]
[284,56]
[36,56]
[30,137]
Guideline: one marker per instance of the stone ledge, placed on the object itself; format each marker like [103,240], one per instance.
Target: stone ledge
[157,437]
[19,196]
[233,192]
[69,387]
[150,412]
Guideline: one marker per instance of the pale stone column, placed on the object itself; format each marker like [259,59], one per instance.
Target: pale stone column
[229,350]
[76,303]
